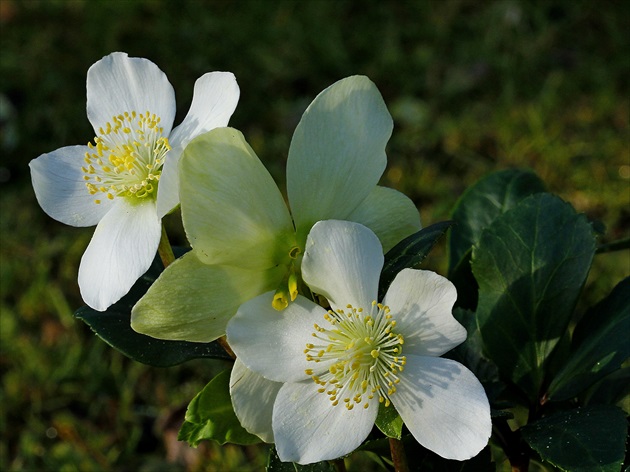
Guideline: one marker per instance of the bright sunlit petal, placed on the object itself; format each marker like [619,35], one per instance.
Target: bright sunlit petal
[444,406]
[308,429]
[118,83]
[257,326]
[337,153]
[121,250]
[343,262]
[423,302]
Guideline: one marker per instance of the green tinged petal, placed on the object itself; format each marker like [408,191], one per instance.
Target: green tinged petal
[388,213]
[192,301]
[337,153]
[232,209]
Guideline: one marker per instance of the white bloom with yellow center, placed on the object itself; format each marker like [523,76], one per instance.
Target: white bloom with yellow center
[325,372]
[125,181]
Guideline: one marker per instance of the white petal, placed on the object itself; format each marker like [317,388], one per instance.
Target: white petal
[389,213]
[421,302]
[272,342]
[232,209]
[337,153]
[193,301]
[307,428]
[444,406]
[121,250]
[60,188]
[343,262]
[214,100]
[253,397]
[118,83]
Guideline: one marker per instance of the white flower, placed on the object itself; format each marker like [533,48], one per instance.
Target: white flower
[325,372]
[126,180]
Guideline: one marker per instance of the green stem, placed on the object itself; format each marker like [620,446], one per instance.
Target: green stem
[618,245]
[165,250]
[399,458]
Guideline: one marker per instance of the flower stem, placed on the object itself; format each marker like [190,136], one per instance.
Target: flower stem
[224,344]
[399,458]
[165,250]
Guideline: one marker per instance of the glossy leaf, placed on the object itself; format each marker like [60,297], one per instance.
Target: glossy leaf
[410,252]
[530,264]
[600,344]
[470,354]
[475,210]
[274,464]
[586,439]
[113,327]
[210,416]
[478,207]
[389,421]
[614,389]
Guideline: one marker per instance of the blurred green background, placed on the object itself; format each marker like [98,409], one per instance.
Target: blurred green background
[473,86]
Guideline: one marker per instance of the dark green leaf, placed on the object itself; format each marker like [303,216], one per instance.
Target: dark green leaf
[113,326]
[482,203]
[530,265]
[410,252]
[210,415]
[587,439]
[389,421]
[274,464]
[600,344]
[476,209]
[614,389]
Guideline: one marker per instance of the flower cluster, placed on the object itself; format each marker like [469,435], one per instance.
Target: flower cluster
[294,287]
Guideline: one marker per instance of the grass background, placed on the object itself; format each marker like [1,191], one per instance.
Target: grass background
[473,86]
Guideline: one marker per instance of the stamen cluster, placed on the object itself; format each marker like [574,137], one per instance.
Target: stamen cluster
[126,159]
[364,355]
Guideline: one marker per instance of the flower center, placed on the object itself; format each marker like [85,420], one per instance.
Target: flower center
[126,158]
[365,354]
[288,290]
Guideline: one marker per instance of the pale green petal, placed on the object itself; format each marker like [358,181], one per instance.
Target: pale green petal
[192,301]
[337,153]
[232,209]
[343,262]
[390,214]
